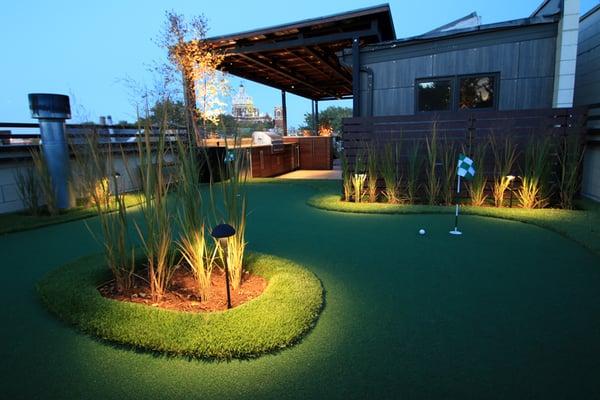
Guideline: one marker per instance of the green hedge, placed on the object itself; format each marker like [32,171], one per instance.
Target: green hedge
[581,226]
[278,318]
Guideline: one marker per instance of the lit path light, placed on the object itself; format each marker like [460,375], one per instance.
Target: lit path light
[222,232]
[511,179]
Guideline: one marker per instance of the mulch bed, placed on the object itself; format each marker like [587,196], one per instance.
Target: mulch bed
[182,295]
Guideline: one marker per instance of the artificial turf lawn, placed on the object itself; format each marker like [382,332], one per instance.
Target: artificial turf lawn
[508,310]
[277,319]
[18,221]
[582,225]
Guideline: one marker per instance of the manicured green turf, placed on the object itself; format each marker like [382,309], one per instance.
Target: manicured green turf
[582,226]
[15,222]
[507,311]
[277,319]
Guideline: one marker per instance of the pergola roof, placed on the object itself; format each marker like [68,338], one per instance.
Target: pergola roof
[300,57]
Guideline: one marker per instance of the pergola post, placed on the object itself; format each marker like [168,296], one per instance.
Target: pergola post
[355,77]
[283,113]
[316,118]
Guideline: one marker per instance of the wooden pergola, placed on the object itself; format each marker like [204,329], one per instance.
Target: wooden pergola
[302,57]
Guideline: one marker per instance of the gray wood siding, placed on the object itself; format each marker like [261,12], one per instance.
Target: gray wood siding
[587,76]
[523,57]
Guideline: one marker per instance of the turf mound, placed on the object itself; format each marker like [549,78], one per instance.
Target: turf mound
[288,309]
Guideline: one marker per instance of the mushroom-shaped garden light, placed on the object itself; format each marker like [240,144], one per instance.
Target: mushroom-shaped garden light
[221,232]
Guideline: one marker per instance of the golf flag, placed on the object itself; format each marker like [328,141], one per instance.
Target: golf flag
[465,168]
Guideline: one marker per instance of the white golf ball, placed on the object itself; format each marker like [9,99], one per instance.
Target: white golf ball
[421,231]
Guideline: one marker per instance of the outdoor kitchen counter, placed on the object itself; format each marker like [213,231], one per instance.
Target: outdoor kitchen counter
[268,160]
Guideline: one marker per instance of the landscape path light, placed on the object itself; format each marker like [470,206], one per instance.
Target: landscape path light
[510,178]
[221,232]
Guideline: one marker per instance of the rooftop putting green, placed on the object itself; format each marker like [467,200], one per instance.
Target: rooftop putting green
[508,310]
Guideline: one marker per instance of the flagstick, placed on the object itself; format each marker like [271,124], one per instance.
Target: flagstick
[456,231]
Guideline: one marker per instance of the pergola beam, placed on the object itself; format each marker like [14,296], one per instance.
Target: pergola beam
[295,78]
[329,65]
[300,41]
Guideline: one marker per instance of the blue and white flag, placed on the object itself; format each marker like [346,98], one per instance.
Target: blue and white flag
[466,167]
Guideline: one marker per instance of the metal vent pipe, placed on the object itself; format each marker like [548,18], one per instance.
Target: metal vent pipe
[52,110]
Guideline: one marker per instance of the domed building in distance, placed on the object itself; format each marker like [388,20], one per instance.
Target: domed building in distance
[244,110]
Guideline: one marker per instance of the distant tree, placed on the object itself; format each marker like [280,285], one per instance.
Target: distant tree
[331,117]
[173,112]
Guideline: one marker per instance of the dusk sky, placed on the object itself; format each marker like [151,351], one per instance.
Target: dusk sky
[86,49]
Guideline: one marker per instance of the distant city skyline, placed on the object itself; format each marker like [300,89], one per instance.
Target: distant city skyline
[87,50]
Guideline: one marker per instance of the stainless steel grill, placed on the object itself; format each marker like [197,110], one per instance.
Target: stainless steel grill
[260,138]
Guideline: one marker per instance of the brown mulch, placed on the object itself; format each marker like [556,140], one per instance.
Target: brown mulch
[182,295]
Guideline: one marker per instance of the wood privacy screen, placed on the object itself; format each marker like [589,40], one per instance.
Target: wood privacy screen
[464,130]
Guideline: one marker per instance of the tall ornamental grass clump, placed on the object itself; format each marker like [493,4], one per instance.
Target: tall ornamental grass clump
[389,172]
[193,245]
[477,185]
[27,188]
[45,181]
[570,157]
[156,238]
[449,158]
[372,172]
[505,156]
[534,191]
[415,163]
[234,211]
[358,178]
[432,182]
[346,177]
[96,171]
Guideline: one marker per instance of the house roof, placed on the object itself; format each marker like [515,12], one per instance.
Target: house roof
[474,30]
[300,57]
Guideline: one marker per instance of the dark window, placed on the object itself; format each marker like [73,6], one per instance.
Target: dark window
[477,92]
[434,95]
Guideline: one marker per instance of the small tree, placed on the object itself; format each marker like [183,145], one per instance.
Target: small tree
[205,87]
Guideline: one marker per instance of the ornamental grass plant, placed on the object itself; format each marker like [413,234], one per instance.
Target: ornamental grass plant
[156,238]
[449,158]
[45,181]
[570,158]
[477,185]
[346,177]
[27,189]
[505,156]
[389,172]
[534,191]
[234,209]
[415,163]
[432,181]
[372,171]
[96,172]
[195,249]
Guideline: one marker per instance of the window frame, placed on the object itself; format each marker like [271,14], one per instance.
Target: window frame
[448,78]
[455,91]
